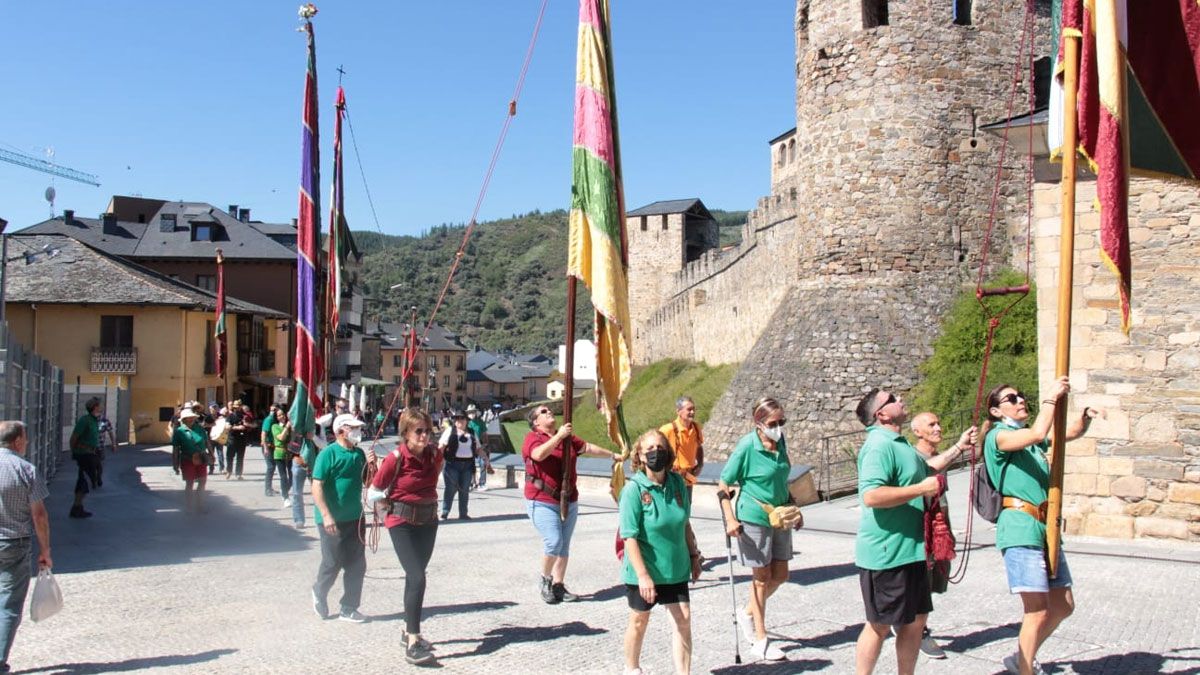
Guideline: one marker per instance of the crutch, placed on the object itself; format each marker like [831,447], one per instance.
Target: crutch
[737,653]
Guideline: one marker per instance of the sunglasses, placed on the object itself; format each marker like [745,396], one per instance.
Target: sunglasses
[1013,398]
[421,431]
[776,424]
[545,412]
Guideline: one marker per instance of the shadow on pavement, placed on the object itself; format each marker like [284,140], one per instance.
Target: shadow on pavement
[841,636]
[488,519]
[969,641]
[131,664]
[495,639]
[136,525]
[1143,663]
[460,608]
[774,668]
[818,575]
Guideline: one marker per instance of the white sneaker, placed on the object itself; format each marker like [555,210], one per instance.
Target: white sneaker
[763,650]
[483,488]
[746,622]
[287,501]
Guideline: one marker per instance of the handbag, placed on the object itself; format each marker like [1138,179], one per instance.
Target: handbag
[47,597]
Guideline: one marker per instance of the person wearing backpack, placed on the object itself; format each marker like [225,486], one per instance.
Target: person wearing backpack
[1018,466]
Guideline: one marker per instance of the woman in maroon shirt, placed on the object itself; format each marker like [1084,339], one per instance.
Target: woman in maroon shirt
[407,479]
[543,454]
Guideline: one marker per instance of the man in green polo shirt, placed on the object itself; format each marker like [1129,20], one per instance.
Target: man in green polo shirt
[85,443]
[893,482]
[337,496]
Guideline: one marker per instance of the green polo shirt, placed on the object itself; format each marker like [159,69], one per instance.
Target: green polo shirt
[87,436]
[340,472]
[279,440]
[1027,478]
[479,427]
[656,516]
[762,476]
[189,441]
[267,423]
[895,536]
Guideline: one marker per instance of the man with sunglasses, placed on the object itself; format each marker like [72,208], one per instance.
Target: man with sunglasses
[893,482]
[543,454]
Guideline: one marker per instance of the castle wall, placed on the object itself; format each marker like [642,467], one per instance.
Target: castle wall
[654,253]
[1137,472]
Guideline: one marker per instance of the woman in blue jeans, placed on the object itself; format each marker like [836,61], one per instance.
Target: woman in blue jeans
[1018,466]
[543,454]
[460,447]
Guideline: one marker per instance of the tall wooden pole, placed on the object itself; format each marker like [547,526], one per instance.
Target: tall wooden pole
[228,351]
[1066,274]
[564,493]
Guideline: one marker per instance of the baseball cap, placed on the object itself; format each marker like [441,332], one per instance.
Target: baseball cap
[346,421]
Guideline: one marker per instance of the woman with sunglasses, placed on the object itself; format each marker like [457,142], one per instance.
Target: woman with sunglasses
[759,466]
[405,489]
[660,549]
[1018,465]
[543,454]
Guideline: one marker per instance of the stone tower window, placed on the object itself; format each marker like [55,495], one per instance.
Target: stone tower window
[791,151]
[874,13]
[782,155]
[643,223]
[962,12]
[664,222]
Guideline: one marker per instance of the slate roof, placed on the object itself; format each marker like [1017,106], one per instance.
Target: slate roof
[237,239]
[438,339]
[79,273]
[780,137]
[479,359]
[671,206]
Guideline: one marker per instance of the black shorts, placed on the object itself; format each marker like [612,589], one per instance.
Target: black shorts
[665,594]
[896,596]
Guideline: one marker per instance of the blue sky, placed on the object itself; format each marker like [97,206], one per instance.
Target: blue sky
[202,100]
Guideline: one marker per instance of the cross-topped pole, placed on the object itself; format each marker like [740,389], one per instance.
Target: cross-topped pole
[340,72]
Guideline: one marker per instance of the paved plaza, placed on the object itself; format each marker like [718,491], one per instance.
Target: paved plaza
[148,587]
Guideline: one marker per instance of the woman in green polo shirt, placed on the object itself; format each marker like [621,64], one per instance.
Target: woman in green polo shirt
[1017,464]
[660,549]
[759,465]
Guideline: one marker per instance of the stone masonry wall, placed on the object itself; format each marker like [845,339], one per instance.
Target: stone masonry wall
[717,306]
[1137,473]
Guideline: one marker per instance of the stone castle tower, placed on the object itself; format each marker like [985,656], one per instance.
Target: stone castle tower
[880,199]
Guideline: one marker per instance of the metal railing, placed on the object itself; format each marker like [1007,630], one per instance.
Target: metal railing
[31,390]
[114,361]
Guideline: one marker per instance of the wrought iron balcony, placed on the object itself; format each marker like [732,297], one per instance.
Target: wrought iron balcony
[114,361]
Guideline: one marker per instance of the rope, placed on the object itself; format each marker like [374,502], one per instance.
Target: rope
[372,538]
[994,318]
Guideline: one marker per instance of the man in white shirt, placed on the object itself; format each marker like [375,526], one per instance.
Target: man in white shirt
[459,447]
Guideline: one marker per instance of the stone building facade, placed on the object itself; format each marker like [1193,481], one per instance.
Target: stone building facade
[846,268]
[1137,473]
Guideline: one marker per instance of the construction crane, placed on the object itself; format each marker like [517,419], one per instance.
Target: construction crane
[38,164]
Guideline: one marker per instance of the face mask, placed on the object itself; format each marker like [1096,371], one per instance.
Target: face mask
[656,460]
[355,437]
[773,433]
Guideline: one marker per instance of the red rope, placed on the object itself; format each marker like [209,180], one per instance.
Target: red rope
[413,350]
[994,317]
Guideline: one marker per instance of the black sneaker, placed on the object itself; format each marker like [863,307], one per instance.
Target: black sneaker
[563,595]
[352,616]
[464,517]
[548,594]
[320,606]
[446,516]
[424,644]
[78,512]
[416,654]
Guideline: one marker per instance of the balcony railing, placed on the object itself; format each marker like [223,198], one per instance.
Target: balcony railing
[249,362]
[114,361]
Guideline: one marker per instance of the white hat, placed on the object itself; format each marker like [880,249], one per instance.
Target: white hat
[346,421]
[186,413]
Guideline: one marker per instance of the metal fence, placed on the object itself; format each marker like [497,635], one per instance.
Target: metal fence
[838,473]
[31,390]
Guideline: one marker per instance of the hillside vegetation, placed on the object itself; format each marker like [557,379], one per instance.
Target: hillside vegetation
[510,290]
[649,401]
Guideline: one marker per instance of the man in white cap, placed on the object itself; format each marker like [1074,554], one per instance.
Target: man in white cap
[337,496]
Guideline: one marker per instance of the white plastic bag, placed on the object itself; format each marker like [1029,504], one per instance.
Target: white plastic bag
[47,597]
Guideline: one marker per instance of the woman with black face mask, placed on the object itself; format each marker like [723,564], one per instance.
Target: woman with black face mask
[660,549]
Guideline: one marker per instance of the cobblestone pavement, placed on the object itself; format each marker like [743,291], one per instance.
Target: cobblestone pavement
[148,587]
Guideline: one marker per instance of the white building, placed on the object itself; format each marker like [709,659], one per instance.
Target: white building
[585,360]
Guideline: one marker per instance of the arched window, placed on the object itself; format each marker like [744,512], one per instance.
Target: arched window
[874,13]
[791,151]
[782,154]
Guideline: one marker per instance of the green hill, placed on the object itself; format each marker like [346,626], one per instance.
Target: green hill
[649,400]
[510,290]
